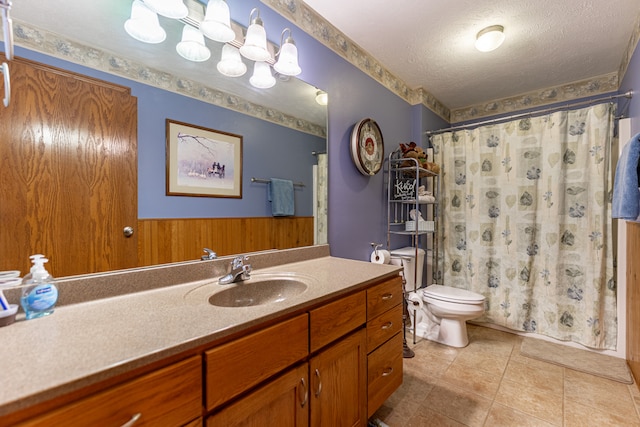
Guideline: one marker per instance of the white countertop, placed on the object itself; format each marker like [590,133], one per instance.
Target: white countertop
[81,344]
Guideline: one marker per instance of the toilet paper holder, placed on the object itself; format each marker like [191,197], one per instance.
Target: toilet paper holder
[375,247]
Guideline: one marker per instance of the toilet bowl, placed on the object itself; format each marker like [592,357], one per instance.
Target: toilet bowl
[451,308]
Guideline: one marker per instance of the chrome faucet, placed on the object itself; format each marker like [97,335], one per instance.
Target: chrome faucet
[239,271]
[210,255]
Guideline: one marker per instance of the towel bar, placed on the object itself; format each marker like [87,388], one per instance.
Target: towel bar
[266,181]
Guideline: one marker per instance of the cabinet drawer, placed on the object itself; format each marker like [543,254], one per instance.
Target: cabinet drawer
[383,327]
[384,372]
[337,319]
[238,365]
[171,396]
[382,297]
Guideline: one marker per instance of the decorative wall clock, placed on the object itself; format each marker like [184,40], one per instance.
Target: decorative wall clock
[367,147]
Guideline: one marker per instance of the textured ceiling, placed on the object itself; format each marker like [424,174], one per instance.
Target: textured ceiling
[429,44]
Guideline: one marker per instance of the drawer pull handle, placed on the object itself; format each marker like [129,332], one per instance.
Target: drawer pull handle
[387,297]
[133,420]
[387,372]
[305,398]
[387,325]
[319,389]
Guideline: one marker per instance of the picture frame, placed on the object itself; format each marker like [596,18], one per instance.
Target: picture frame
[202,162]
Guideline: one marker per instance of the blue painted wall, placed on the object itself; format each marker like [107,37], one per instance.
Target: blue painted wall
[268,150]
[357,207]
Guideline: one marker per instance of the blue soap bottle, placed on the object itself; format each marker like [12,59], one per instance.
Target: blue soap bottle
[39,291]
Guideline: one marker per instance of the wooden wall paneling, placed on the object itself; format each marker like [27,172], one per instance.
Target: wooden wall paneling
[182,239]
[633,298]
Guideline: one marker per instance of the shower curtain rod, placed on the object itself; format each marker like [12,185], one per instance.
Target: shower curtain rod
[628,95]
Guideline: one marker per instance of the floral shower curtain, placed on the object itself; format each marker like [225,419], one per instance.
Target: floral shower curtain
[527,222]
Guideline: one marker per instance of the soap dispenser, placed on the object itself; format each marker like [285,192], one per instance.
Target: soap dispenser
[39,292]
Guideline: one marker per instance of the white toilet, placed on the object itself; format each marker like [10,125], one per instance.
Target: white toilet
[451,308]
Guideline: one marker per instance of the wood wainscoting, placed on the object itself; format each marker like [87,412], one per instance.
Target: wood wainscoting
[163,241]
[633,298]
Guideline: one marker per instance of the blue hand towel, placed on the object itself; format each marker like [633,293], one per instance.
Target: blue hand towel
[280,194]
[626,196]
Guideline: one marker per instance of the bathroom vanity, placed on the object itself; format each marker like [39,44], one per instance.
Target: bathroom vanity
[329,355]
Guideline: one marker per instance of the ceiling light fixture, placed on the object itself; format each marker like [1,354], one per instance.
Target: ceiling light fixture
[174,9]
[217,22]
[322,97]
[255,43]
[231,64]
[287,56]
[192,46]
[490,38]
[143,24]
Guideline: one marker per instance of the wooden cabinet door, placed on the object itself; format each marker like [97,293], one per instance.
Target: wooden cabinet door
[68,172]
[339,383]
[283,402]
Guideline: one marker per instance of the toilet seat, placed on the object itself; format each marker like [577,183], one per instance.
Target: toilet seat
[451,294]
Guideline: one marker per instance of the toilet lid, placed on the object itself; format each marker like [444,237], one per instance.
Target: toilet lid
[448,293]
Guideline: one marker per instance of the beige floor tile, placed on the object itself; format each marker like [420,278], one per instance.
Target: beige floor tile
[538,402]
[397,413]
[428,418]
[600,393]
[481,382]
[456,403]
[541,375]
[490,384]
[413,389]
[434,367]
[486,362]
[635,396]
[579,415]
[488,346]
[426,348]
[503,416]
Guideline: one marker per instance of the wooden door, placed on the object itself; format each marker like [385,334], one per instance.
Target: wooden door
[283,402]
[339,383]
[68,172]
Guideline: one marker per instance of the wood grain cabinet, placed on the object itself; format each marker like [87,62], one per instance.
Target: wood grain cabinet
[171,396]
[384,342]
[332,365]
[283,401]
[338,372]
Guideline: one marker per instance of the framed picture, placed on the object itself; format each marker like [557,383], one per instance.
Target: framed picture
[203,162]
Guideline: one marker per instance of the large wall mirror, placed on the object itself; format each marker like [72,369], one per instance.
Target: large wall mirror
[92,34]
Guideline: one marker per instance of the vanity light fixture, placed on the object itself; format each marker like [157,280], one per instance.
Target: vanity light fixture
[490,38]
[262,77]
[231,64]
[255,42]
[322,97]
[174,9]
[192,46]
[217,22]
[143,24]
[213,21]
[287,56]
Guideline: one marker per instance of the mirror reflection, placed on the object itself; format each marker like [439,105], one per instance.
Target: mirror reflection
[283,129]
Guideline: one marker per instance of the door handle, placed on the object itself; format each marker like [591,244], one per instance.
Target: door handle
[127,231]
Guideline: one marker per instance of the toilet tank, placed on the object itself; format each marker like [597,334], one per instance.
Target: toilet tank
[408,256]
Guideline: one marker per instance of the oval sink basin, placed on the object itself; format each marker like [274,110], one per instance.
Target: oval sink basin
[258,291]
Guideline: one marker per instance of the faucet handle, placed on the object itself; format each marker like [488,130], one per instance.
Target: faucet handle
[209,255]
[238,262]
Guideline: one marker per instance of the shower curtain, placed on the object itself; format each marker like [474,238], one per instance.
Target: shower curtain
[527,222]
